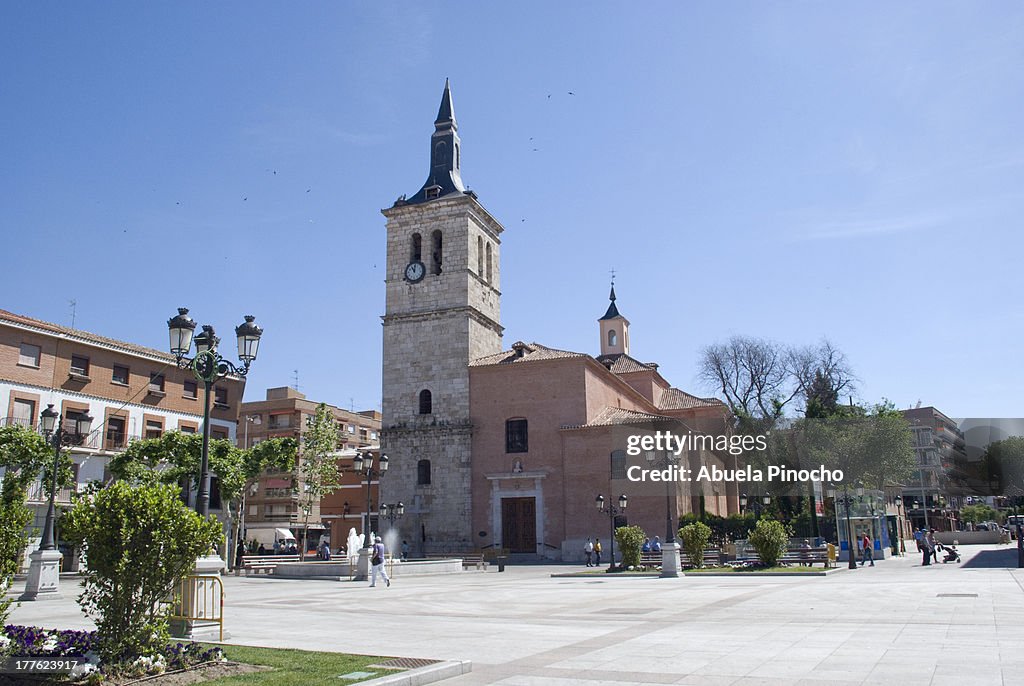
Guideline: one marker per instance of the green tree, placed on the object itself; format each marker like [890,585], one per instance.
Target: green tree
[630,540]
[977,513]
[318,464]
[695,538]
[769,539]
[176,457]
[23,454]
[140,540]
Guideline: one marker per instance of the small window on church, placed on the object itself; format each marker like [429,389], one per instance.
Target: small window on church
[619,464]
[457,156]
[440,154]
[489,280]
[613,340]
[436,253]
[423,473]
[426,402]
[516,440]
[416,254]
[480,256]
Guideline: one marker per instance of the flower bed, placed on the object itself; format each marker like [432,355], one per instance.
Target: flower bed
[30,641]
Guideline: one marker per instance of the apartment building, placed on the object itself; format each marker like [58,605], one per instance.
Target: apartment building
[275,503]
[131,392]
[934,492]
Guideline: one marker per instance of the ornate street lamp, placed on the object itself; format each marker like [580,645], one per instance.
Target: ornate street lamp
[765,500]
[846,499]
[391,511]
[44,569]
[209,367]
[612,512]
[670,561]
[898,501]
[363,463]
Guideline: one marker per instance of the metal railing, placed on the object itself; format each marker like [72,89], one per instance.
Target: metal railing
[199,599]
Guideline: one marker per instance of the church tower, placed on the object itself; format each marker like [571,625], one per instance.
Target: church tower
[614,330]
[442,310]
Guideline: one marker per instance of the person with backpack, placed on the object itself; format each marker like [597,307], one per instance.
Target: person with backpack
[588,552]
[377,563]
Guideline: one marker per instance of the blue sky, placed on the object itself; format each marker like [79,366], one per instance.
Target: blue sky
[791,171]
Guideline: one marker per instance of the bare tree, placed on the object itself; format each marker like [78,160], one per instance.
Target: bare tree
[820,373]
[753,375]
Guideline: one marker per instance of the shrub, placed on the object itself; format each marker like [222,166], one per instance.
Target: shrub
[630,540]
[139,541]
[769,539]
[695,538]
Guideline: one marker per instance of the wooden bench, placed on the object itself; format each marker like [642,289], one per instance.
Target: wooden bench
[468,559]
[712,558]
[807,556]
[255,564]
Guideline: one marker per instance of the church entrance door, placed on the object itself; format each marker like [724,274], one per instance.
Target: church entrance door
[519,524]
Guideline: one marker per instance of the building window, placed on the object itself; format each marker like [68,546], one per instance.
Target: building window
[154,428]
[219,434]
[116,438]
[79,365]
[190,390]
[29,355]
[423,473]
[214,493]
[480,256]
[435,253]
[24,412]
[613,340]
[516,436]
[619,464]
[186,429]
[416,255]
[488,263]
[156,382]
[426,402]
[120,375]
[220,397]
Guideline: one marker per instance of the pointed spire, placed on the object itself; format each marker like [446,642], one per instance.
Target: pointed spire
[613,311]
[445,176]
[446,112]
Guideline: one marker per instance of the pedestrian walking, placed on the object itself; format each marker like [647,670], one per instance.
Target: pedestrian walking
[377,562]
[588,552]
[919,537]
[926,550]
[866,553]
[597,552]
[933,545]
[405,550]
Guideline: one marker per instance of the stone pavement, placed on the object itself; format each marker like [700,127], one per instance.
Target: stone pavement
[896,623]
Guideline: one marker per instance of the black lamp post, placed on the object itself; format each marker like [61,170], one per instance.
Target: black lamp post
[898,501]
[363,463]
[764,500]
[391,511]
[612,512]
[846,499]
[54,431]
[209,367]
[666,460]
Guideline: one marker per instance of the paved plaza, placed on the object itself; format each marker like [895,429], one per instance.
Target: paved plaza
[896,623]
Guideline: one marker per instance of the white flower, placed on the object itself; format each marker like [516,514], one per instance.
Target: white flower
[4,642]
[82,671]
[50,643]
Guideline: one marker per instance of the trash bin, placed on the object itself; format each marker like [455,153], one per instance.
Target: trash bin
[501,563]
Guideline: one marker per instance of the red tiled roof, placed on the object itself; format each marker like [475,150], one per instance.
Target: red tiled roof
[531,352]
[611,416]
[675,399]
[84,336]
[624,364]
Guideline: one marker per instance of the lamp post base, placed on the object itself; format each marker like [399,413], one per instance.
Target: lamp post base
[43,576]
[363,564]
[200,605]
[670,563]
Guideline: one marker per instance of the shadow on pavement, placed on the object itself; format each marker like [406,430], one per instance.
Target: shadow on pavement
[993,559]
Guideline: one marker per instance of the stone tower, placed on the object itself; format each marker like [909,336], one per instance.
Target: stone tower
[442,310]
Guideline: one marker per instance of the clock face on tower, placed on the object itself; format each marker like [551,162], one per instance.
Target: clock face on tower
[414,272]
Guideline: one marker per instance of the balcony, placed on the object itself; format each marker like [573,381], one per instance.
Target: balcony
[37,495]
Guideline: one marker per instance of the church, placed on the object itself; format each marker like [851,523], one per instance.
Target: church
[510,448]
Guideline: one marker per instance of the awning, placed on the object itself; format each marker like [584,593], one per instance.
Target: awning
[284,534]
